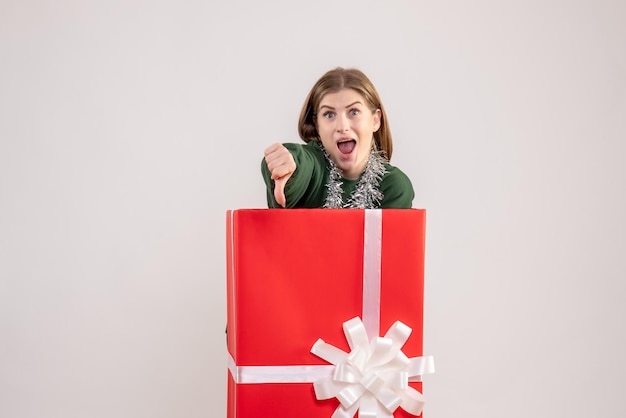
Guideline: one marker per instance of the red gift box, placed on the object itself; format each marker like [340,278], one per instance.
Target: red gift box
[294,276]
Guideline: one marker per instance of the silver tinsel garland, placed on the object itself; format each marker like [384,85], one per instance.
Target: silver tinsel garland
[366,194]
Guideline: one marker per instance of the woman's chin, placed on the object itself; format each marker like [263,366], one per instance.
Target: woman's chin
[349,165]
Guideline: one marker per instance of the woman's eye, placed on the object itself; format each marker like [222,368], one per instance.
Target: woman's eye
[354,112]
[329,115]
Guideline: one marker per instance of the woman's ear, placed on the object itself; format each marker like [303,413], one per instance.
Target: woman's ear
[377,115]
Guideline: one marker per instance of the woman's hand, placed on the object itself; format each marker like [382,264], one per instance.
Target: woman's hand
[281,164]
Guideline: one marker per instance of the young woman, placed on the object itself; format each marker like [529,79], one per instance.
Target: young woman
[344,162]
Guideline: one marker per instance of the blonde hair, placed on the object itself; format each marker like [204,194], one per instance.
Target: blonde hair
[333,81]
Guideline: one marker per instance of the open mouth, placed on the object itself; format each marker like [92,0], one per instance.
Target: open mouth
[346,147]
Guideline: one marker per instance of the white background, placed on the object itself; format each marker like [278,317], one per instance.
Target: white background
[128,128]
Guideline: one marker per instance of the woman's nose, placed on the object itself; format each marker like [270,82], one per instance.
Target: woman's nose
[342,123]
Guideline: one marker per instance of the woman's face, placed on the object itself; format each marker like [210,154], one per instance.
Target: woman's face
[346,127]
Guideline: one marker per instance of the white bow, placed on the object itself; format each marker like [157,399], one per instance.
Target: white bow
[373,378]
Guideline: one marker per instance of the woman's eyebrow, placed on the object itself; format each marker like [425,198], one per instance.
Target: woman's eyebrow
[332,108]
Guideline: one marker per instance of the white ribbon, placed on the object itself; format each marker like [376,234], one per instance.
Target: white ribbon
[374,377]
[277,374]
[372,250]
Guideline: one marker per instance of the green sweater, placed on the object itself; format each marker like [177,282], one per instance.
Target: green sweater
[306,188]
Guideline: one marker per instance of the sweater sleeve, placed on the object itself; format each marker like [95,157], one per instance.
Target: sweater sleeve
[305,187]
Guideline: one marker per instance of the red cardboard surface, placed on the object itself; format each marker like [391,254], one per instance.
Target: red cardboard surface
[296,275]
